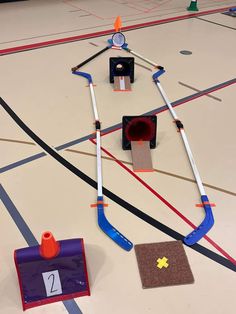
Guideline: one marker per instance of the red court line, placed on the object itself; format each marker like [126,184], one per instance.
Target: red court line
[175,210]
[59,41]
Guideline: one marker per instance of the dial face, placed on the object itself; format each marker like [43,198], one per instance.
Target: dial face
[118,39]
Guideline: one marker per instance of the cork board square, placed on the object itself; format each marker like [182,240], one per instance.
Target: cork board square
[163,264]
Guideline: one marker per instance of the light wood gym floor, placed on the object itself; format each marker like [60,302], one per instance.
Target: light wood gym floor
[36,55]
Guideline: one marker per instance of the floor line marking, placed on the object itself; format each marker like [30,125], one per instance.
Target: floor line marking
[93,44]
[68,2]
[118,126]
[128,163]
[208,239]
[174,104]
[215,23]
[71,306]
[71,11]
[51,34]
[59,41]
[83,176]
[16,141]
[155,170]
[198,90]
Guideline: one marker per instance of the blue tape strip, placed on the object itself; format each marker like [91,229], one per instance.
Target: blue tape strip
[71,306]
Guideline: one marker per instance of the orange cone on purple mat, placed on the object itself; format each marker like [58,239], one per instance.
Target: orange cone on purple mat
[49,247]
[53,271]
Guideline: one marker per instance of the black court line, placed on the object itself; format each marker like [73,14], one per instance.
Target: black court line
[118,125]
[137,212]
[199,18]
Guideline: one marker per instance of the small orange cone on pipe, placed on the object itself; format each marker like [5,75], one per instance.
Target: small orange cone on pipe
[49,248]
[117,24]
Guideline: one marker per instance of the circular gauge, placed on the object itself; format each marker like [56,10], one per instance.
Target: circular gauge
[118,39]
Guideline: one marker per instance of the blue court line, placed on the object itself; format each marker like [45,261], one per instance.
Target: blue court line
[118,125]
[71,306]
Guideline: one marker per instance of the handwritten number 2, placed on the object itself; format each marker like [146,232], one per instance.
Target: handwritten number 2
[52,283]
[53,280]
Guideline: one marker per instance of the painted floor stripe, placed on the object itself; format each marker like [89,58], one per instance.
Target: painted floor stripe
[170,206]
[128,163]
[155,170]
[198,90]
[60,41]
[8,140]
[172,233]
[174,104]
[71,305]
[214,23]
[17,218]
[118,125]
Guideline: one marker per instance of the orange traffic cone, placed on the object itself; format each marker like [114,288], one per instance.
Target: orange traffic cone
[49,248]
[117,24]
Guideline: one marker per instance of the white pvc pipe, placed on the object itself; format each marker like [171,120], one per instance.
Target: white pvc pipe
[98,143]
[192,162]
[143,58]
[95,111]
[185,141]
[99,163]
[164,96]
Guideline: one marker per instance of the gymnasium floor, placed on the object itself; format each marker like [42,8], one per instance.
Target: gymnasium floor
[39,43]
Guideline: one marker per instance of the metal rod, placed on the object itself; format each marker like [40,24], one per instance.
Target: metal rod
[144,59]
[89,59]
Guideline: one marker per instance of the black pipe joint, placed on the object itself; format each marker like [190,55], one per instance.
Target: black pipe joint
[179,124]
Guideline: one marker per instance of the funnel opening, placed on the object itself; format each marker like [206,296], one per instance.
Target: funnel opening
[140,129]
